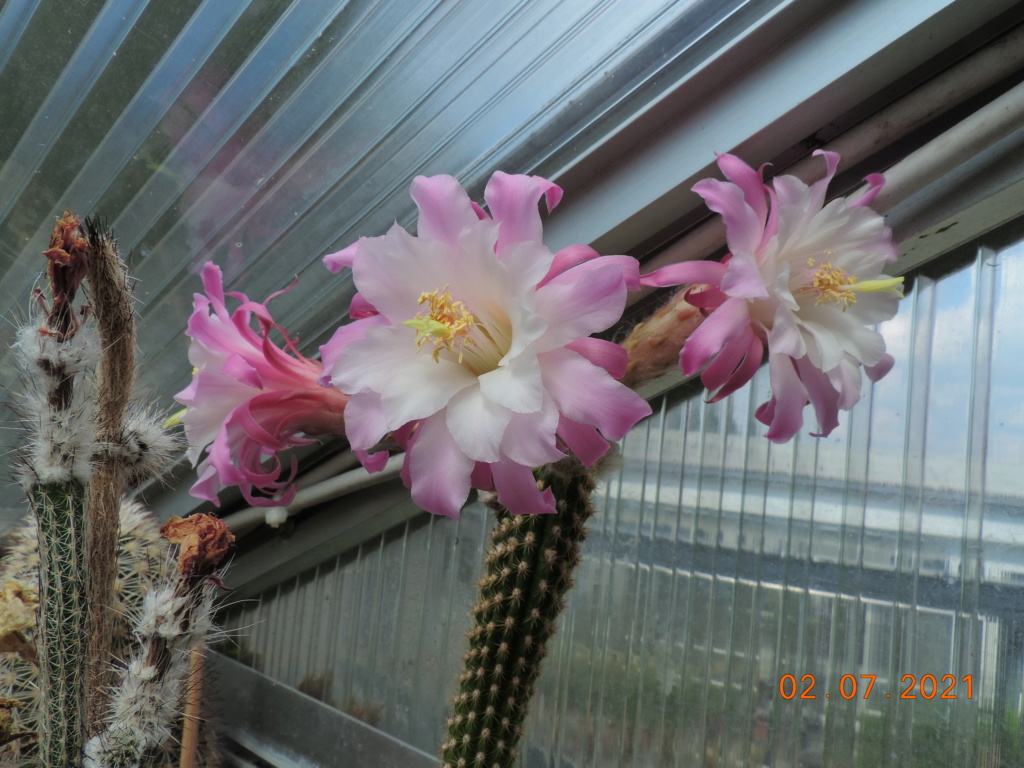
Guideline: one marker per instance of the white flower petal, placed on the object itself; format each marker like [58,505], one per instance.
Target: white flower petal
[515,385]
[477,424]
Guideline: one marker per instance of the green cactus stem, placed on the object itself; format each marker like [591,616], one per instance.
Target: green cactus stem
[60,510]
[529,567]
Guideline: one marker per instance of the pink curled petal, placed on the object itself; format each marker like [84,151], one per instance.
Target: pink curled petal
[444,206]
[365,423]
[823,396]
[481,477]
[342,259]
[877,371]
[818,188]
[748,180]
[213,286]
[518,492]
[876,182]
[438,469]
[360,308]
[720,377]
[785,411]
[481,214]
[743,228]
[512,201]
[552,192]
[583,440]
[586,393]
[373,462]
[746,369]
[568,257]
[685,273]
[606,354]
[743,279]
[242,371]
[729,321]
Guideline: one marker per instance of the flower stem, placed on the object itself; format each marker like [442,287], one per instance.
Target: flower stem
[529,569]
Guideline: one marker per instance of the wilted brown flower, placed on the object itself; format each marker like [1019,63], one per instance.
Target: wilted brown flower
[204,541]
[65,268]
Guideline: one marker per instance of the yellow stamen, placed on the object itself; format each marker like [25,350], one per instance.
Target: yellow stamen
[447,323]
[835,285]
[175,419]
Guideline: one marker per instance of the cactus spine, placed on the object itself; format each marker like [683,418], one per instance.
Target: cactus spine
[529,567]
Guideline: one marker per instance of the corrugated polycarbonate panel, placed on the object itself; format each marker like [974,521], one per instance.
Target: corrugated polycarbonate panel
[855,600]
[262,134]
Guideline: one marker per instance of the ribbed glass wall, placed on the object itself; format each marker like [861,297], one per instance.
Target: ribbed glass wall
[856,600]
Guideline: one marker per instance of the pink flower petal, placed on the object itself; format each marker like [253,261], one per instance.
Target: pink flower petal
[583,440]
[341,259]
[513,200]
[589,303]
[748,180]
[823,396]
[530,437]
[568,257]
[587,394]
[701,272]
[743,228]
[444,208]
[784,412]
[729,321]
[742,278]
[518,492]
[365,423]
[610,356]
[439,471]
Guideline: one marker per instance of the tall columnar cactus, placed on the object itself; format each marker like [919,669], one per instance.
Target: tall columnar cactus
[58,359]
[529,567]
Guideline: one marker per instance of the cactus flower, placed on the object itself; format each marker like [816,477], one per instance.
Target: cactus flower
[470,344]
[249,399]
[803,279]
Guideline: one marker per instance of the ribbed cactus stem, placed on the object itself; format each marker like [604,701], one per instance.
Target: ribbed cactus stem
[60,510]
[529,567]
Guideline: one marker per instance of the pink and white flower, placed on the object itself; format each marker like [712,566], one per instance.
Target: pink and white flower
[470,345]
[804,279]
[249,399]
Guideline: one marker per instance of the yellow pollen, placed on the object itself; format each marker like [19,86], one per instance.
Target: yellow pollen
[838,286]
[833,284]
[447,323]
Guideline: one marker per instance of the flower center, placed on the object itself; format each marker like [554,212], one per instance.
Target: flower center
[832,284]
[447,323]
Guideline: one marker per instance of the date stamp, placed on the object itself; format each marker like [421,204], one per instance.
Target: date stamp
[925,687]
